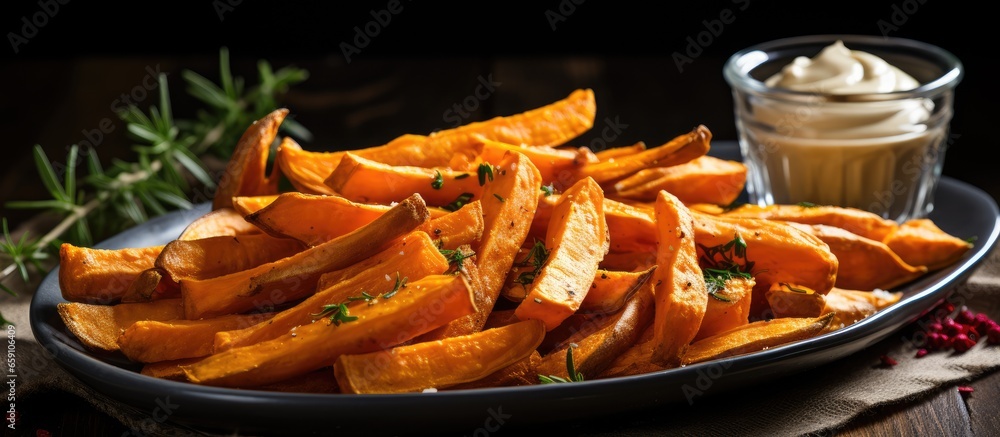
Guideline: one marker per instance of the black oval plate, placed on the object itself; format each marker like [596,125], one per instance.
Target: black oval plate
[961,209]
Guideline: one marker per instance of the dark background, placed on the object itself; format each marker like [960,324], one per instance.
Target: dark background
[431,56]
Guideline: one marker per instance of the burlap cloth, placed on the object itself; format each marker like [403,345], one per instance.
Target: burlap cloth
[820,402]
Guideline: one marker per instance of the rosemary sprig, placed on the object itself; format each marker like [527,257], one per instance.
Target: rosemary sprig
[574,376]
[168,152]
[231,107]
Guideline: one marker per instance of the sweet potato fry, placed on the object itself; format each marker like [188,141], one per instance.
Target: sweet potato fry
[919,242]
[101,275]
[727,308]
[517,182]
[681,293]
[149,341]
[246,171]
[554,165]
[412,257]
[218,223]
[438,364]
[856,221]
[620,151]
[778,251]
[296,275]
[599,338]
[313,346]
[577,239]
[612,289]
[522,372]
[864,264]
[630,228]
[366,181]
[151,284]
[246,205]
[458,228]
[851,306]
[304,169]
[313,219]
[551,125]
[168,369]
[634,360]
[679,150]
[98,326]
[793,300]
[756,336]
[211,257]
[705,179]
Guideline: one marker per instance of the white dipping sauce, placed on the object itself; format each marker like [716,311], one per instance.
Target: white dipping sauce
[867,155]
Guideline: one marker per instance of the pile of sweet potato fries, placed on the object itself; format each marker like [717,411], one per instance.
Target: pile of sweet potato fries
[496,253]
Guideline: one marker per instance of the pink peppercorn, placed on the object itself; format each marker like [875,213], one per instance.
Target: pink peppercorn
[887,360]
[962,343]
[921,353]
[982,321]
[994,334]
[965,317]
[951,327]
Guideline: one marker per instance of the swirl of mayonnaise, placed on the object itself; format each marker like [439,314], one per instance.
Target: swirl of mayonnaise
[839,70]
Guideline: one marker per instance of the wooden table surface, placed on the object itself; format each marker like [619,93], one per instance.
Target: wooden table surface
[366,103]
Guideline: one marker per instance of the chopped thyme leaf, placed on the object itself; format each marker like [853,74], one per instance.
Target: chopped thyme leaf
[459,202]
[807,204]
[499,197]
[721,265]
[338,313]
[536,258]
[461,176]
[438,181]
[485,171]
[548,190]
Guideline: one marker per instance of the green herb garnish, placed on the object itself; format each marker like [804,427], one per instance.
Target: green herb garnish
[485,172]
[438,181]
[169,153]
[338,313]
[536,258]
[574,376]
[722,264]
[548,190]
[459,202]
